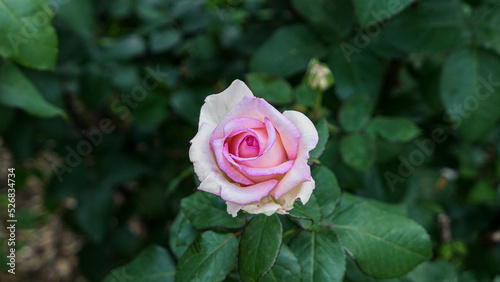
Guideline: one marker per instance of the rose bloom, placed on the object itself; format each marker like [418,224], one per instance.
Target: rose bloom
[250,154]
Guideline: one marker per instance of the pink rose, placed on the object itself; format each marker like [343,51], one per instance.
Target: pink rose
[250,154]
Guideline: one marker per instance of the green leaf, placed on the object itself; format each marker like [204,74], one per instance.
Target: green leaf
[94,210]
[17,91]
[372,11]
[6,115]
[286,268]
[357,151]
[26,35]
[382,244]
[162,41]
[327,191]
[151,265]
[287,51]
[348,200]
[429,26]
[78,15]
[259,247]
[210,258]
[205,210]
[322,128]
[486,24]
[394,129]
[320,255]
[469,90]
[355,73]
[356,112]
[272,89]
[181,234]
[330,18]
[123,48]
[305,95]
[308,215]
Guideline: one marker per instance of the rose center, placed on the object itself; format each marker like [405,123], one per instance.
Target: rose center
[250,140]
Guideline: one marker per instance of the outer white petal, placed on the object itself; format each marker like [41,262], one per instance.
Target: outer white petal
[200,153]
[266,206]
[233,208]
[217,106]
[302,192]
[309,134]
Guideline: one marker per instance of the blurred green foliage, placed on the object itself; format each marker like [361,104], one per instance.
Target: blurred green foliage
[99,99]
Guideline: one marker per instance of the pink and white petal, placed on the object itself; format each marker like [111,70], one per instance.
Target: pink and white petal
[302,191]
[260,109]
[255,171]
[212,184]
[219,147]
[309,134]
[273,157]
[299,173]
[200,153]
[242,123]
[245,195]
[217,106]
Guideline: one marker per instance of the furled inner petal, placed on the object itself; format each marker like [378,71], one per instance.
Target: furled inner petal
[259,109]
[249,147]
[273,155]
[218,146]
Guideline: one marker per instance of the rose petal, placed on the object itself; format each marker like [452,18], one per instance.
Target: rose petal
[300,172]
[217,106]
[242,123]
[200,153]
[260,109]
[249,194]
[218,147]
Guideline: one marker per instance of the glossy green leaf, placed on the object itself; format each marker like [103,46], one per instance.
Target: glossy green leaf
[259,247]
[372,11]
[486,23]
[272,89]
[210,258]
[286,268]
[153,264]
[357,151]
[307,216]
[181,234]
[470,91]
[26,33]
[330,18]
[78,15]
[323,133]
[94,210]
[163,41]
[320,255]
[305,95]
[394,129]
[429,26]
[356,112]
[382,244]
[17,91]
[327,190]
[206,210]
[356,72]
[287,51]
